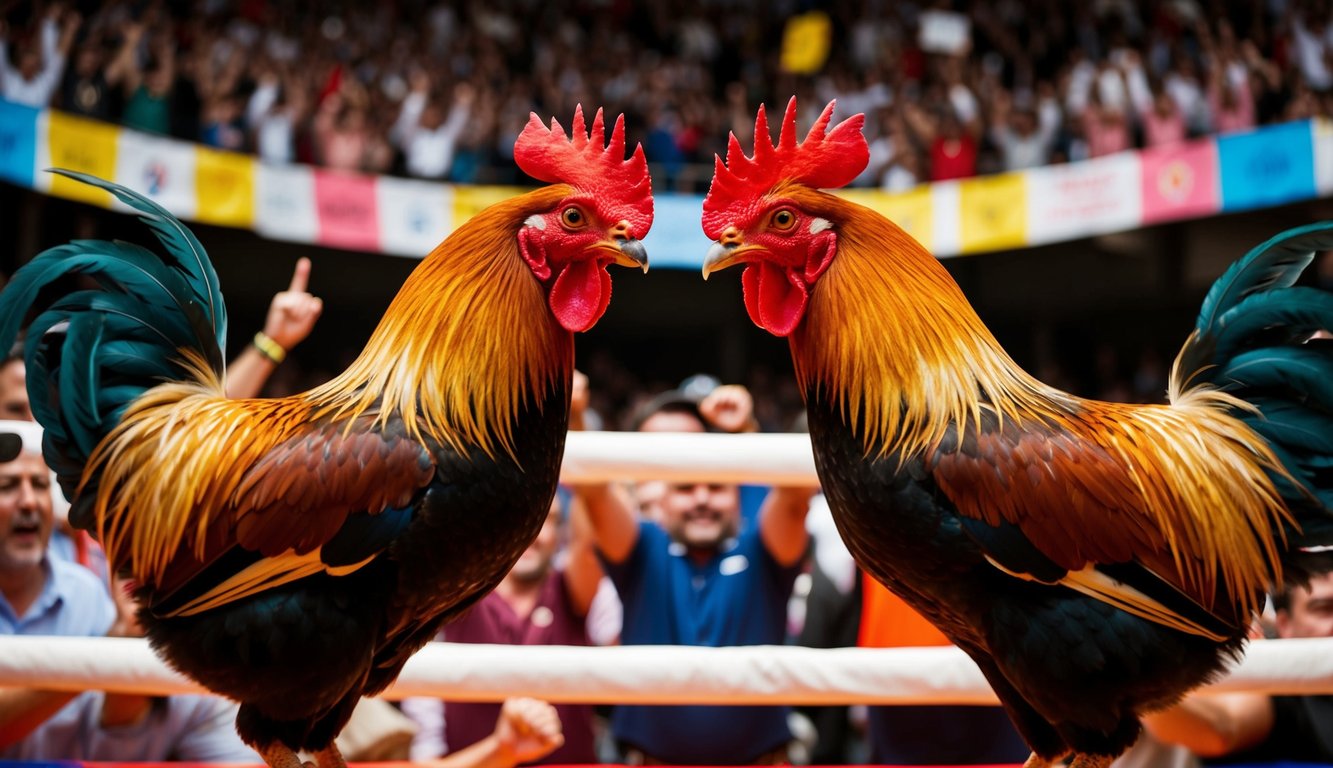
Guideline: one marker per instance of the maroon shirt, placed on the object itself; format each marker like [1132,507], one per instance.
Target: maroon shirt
[553,621]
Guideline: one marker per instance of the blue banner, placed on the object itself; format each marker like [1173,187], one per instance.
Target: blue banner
[18,143]
[1270,166]
[677,239]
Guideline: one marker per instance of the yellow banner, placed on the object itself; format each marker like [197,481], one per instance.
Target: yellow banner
[993,212]
[88,146]
[225,187]
[911,210]
[469,201]
[805,43]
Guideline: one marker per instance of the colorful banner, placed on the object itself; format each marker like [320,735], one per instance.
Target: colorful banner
[993,212]
[1180,181]
[1267,167]
[414,216]
[78,144]
[285,203]
[18,143]
[1066,202]
[348,214]
[913,210]
[224,187]
[161,169]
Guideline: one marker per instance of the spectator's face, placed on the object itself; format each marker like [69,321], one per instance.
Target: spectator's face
[25,512]
[701,515]
[14,393]
[1311,611]
[535,561]
[30,64]
[672,421]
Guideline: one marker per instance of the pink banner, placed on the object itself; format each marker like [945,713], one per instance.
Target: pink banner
[348,215]
[1180,181]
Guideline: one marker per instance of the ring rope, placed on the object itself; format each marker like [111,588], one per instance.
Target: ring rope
[644,674]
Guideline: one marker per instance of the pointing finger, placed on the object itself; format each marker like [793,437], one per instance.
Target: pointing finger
[301,276]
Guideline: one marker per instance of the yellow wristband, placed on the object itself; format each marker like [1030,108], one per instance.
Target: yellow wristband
[269,348]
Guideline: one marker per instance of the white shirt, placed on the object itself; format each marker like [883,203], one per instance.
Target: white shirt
[37,91]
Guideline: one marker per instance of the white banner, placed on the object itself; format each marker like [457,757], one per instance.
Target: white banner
[159,168]
[1322,137]
[285,203]
[1066,202]
[945,202]
[414,216]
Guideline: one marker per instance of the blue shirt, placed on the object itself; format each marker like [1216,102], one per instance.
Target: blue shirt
[75,603]
[739,597]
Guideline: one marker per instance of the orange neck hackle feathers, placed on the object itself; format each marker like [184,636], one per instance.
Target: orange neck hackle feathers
[457,362]
[622,188]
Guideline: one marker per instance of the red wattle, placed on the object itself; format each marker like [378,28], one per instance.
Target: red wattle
[581,294]
[775,302]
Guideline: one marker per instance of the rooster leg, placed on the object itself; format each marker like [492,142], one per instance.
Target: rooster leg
[330,757]
[279,755]
[1037,761]
[1084,760]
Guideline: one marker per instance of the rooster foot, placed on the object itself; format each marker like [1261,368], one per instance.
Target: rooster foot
[330,757]
[279,755]
[1083,760]
[1037,761]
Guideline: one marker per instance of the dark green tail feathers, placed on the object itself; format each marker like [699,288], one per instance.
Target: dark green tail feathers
[89,353]
[1253,340]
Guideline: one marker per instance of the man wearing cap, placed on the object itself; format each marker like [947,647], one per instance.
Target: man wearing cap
[695,574]
[43,595]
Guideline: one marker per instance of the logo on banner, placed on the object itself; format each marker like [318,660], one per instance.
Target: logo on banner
[155,178]
[1175,181]
[417,219]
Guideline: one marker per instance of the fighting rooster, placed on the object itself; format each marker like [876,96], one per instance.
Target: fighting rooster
[293,553]
[1096,560]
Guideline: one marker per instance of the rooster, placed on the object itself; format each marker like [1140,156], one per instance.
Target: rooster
[292,553]
[1096,560]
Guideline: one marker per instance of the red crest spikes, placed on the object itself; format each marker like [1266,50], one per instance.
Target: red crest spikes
[822,160]
[620,187]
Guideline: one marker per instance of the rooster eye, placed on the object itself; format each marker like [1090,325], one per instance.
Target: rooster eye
[572,217]
[784,219]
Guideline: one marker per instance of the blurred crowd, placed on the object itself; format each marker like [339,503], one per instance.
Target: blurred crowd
[440,90]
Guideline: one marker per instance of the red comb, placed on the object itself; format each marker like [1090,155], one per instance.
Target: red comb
[823,160]
[621,185]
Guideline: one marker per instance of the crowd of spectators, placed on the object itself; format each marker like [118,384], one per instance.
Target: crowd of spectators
[440,90]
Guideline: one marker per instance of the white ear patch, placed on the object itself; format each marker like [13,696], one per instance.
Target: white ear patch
[819,225]
[535,221]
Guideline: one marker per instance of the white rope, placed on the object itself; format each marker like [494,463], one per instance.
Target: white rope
[762,459]
[643,674]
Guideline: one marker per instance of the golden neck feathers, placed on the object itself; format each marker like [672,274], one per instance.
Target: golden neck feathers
[467,341]
[890,339]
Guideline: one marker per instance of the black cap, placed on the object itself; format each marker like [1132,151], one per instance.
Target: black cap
[11,445]
[670,401]
[683,399]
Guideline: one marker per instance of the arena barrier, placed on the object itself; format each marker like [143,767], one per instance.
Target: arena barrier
[653,674]
[643,674]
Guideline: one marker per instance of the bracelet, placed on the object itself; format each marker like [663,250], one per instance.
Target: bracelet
[269,348]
